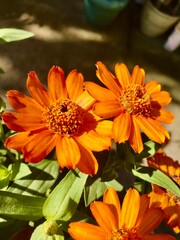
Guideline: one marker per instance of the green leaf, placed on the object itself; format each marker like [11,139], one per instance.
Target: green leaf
[157,177]
[40,234]
[13,34]
[21,207]
[5,176]
[62,202]
[43,176]
[19,170]
[94,190]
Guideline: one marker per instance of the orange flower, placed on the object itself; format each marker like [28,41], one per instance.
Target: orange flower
[134,220]
[134,105]
[161,197]
[59,117]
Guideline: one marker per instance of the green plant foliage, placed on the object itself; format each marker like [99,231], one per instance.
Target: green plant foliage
[21,207]
[13,34]
[156,177]
[42,177]
[62,202]
[5,176]
[39,233]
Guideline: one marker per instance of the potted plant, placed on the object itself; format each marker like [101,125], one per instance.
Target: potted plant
[158,16]
[101,13]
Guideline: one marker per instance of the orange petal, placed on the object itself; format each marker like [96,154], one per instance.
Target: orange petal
[107,78]
[94,141]
[67,152]
[37,90]
[100,93]
[151,221]
[86,231]
[153,87]
[107,109]
[135,138]
[39,146]
[104,128]
[121,127]
[138,75]
[104,217]
[111,198]
[21,122]
[130,208]
[122,74]
[88,163]
[165,116]
[17,141]
[74,84]
[163,98]
[144,206]
[152,129]
[85,100]
[56,84]
[23,103]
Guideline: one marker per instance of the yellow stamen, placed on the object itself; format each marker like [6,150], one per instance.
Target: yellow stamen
[63,117]
[126,234]
[136,100]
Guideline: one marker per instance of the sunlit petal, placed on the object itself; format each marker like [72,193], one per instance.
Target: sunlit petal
[122,74]
[165,116]
[138,75]
[163,98]
[135,138]
[85,100]
[153,87]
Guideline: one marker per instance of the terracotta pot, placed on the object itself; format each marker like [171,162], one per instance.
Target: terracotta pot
[153,22]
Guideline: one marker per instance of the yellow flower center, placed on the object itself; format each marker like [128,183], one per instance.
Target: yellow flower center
[126,234]
[136,100]
[63,117]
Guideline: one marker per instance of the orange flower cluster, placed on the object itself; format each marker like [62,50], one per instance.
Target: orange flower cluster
[160,197]
[71,119]
[134,220]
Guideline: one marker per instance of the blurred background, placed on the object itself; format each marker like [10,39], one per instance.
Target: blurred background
[66,36]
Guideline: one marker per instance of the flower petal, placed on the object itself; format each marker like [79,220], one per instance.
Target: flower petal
[107,78]
[130,208]
[153,87]
[135,138]
[85,100]
[39,146]
[165,116]
[23,103]
[163,98]
[56,84]
[107,109]
[86,231]
[104,128]
[17,141]
[100,93]
[74,84]
[122,74]
[94,141]
[138,75]
[152,129]
[121,127]
[151,220]
[67,152]
[37,90]
[21,122]
[104,217]
[88,163]
[111,198]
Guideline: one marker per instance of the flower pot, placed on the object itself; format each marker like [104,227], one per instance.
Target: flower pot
[173,41]
[154,22]
[101,13]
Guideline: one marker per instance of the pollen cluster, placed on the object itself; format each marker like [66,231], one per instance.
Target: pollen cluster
[63,117]
[126,234]
[136,100]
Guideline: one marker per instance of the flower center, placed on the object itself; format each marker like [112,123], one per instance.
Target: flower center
[126,234]
[136,100]
[63,117]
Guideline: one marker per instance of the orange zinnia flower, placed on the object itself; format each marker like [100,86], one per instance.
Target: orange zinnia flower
[134,105]
[59,117]
[161,197]
[133,221]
